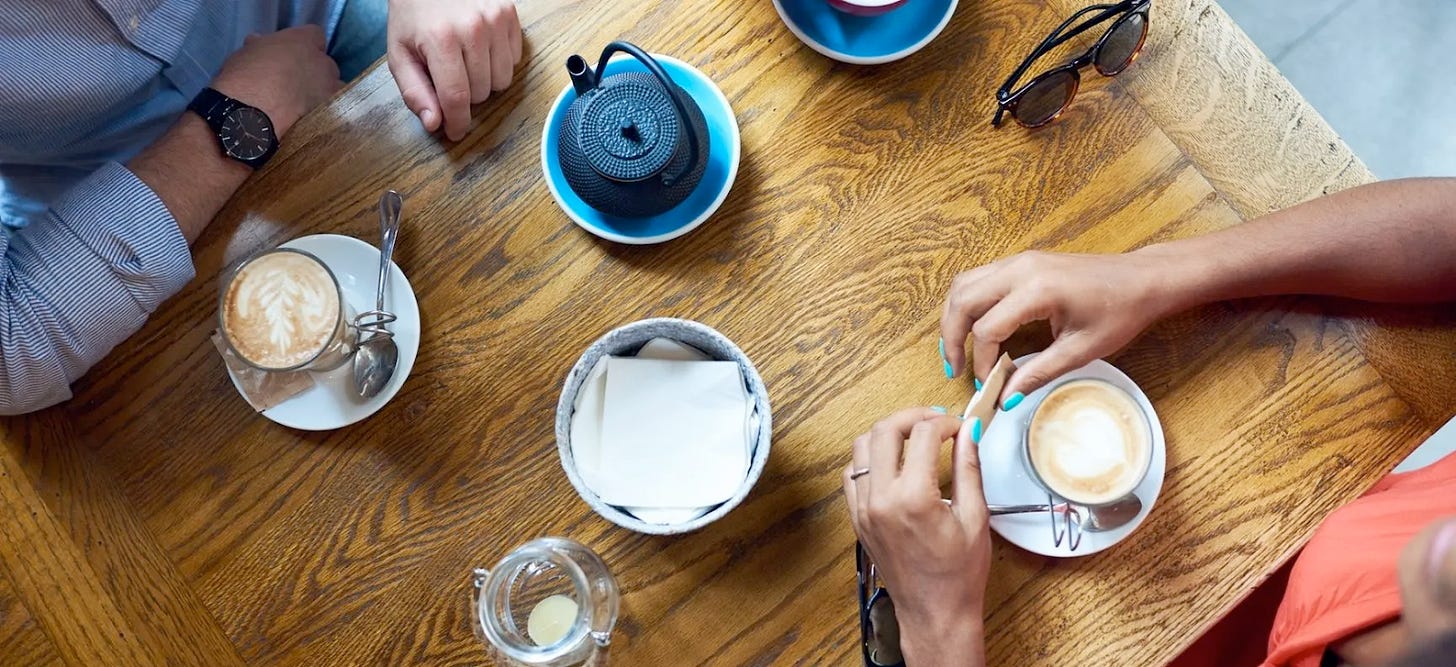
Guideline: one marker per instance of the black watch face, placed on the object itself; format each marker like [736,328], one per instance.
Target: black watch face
[246,133]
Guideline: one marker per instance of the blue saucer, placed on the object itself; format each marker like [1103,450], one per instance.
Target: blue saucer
[723,154]
[866,40]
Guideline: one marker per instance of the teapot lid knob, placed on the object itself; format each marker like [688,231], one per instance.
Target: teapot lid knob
[629,129]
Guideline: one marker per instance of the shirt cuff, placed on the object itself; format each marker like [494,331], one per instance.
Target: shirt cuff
[126,224]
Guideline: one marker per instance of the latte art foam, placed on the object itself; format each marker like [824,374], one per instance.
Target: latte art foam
[281,309]
[1089,442]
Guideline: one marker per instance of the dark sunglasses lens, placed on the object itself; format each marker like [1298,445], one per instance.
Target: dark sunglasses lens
[1045,98]
[1122,44]
[883,641]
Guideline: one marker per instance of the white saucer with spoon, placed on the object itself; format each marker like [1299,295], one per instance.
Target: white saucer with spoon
[1007,482]
[334,402]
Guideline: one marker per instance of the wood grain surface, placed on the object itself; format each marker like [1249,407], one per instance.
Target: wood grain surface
[862,192]
[21,638]
[1251,134]
[97,581]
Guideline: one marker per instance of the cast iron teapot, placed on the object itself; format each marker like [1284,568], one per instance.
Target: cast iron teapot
[634,144]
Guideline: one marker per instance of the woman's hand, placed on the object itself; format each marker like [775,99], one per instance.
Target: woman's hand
[1095,304]
[934,557]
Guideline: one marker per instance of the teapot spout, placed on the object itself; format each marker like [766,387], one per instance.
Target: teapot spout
[582,77]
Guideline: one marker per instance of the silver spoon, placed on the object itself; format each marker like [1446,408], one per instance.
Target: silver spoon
[377,355]
[1093,519]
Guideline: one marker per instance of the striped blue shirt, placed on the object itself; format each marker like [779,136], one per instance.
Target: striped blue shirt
[88,251]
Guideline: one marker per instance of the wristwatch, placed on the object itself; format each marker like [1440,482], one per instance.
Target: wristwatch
[245,132]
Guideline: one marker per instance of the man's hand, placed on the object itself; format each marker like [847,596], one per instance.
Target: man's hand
[286,74]
[448,54]
[934,557]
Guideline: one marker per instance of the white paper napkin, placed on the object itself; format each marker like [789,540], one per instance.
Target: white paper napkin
[586,429]
[586,425]
[671,350]
[666,348]
[673,433]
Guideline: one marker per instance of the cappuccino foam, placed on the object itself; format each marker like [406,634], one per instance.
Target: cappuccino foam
[1089,442]
[281,309]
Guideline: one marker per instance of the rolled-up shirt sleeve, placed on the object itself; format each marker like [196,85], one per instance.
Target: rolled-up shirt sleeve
[80,280]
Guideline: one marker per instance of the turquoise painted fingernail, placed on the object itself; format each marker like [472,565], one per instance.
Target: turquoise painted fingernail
[937,408]
[978,384]
[976,430]
[1012,401]
[949,372]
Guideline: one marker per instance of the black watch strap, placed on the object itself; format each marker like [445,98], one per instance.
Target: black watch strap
[214,108]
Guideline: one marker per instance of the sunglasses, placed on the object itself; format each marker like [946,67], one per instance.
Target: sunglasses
[879,632]
[1045,97]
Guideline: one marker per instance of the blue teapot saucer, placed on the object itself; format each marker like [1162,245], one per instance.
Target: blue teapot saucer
[866,40]
[723,154]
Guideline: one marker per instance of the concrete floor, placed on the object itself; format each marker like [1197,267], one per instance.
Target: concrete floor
[1378,71]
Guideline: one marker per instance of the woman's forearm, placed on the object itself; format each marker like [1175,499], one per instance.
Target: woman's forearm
[944,640]
[1393,241]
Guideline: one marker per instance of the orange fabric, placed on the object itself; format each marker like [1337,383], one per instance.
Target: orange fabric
[1344,581]
[1241,637]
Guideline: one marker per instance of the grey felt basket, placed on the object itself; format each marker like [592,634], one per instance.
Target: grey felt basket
[626,341]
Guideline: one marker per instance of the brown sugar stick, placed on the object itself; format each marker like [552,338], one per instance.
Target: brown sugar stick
[983,404]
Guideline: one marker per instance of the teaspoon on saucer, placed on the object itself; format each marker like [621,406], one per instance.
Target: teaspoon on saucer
[1092,519]
[377,355]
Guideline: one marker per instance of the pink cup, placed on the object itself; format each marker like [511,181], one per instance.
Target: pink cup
[866,7]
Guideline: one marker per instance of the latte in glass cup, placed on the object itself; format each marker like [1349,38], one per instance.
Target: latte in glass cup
[283,310]
[1089,442]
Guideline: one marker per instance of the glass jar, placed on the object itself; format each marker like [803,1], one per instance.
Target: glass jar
[549,603]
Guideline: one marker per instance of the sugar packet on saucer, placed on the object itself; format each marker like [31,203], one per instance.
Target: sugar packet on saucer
[262,389]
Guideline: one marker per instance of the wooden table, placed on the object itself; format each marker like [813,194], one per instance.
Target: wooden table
[155,519]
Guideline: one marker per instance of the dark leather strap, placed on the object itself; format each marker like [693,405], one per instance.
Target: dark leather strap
[212,106]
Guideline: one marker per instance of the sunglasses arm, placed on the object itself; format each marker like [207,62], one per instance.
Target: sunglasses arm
[1058,37]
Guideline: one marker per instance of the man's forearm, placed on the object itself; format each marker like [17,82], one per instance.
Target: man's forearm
[188,171]
[1393,241]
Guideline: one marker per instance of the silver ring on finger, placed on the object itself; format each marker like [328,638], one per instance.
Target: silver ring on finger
[858,473]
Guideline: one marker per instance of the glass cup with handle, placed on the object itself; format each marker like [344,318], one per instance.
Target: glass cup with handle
[283,310]
[550,603]
[1087,441]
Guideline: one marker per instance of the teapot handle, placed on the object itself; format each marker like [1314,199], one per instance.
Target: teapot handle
[672,94]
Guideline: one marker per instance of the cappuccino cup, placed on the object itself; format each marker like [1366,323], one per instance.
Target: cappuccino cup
[1088,442]
[283,310]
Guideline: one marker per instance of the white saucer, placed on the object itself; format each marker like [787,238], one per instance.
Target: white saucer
[1004,475]
[332,403]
